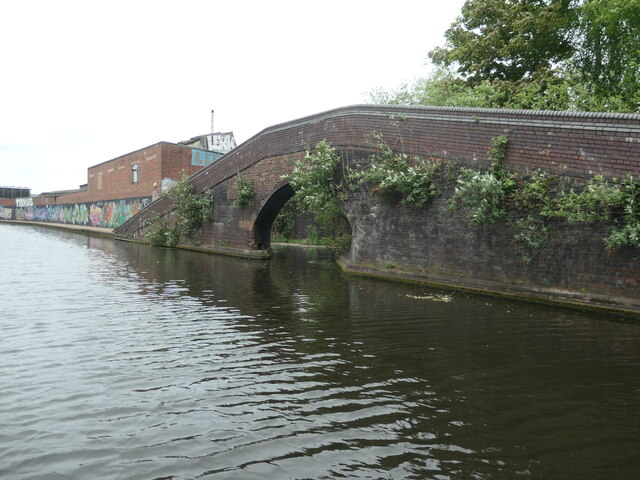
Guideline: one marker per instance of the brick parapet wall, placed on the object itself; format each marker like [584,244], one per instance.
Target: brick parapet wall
[565,143]
[574,144]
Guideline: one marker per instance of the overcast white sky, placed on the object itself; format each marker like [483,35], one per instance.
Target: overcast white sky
[83,82]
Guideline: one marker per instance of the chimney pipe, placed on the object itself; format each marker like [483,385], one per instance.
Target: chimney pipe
[212,130]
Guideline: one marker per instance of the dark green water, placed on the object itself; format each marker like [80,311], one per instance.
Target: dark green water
[118,361]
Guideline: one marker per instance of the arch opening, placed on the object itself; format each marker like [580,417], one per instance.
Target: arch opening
[268,213]
[333,230]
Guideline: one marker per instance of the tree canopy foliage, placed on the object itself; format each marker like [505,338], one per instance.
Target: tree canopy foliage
[535,54]
[507,40]
[609,47]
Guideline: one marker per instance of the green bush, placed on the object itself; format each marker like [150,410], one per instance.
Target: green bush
[172,236]
[533,193]
[313,180]
[481,194]
[284,223]
[244,192]
[485,195]
[626,230]
[317,191]
[314,236]
[157,231]
[397,180]
[603,201]
[594,203]
[160,233]
[190,209]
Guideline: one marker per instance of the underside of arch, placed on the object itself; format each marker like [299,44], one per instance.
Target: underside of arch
[268,213]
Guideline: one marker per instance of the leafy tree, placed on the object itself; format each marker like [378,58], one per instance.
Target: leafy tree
[608,51]
[581,55]
[442,88]
[508,39]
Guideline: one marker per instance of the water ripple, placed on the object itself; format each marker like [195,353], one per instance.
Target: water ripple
[121,361]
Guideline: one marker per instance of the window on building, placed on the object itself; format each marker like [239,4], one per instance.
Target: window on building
[134,173]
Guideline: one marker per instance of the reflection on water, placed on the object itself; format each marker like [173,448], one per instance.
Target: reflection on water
[123,361]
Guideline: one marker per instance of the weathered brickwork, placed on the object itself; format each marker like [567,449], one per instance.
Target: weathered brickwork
[114,181]
[435,244]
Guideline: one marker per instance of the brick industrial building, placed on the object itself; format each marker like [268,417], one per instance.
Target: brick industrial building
[118,188]
[8,195]
[134,175]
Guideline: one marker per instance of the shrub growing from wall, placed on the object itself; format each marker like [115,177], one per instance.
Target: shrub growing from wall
[189,212]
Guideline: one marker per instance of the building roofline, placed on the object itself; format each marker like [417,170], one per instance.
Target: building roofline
[57,193]
[136,151]
[193,139]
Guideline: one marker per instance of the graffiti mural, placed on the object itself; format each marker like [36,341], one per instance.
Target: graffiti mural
[110,214]
[113,214]
[24,202]
[203,158]
[76,214]
[6,213]
[167,184]
[26,213]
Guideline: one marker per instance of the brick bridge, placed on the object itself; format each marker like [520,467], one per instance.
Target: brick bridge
[566,143]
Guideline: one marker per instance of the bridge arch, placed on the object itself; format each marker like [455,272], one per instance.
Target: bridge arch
[263,223]
[268,213]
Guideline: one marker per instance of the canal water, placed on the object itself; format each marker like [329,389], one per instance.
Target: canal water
[119,361]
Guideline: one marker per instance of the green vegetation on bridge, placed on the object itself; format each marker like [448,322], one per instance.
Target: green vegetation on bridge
[527,203]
